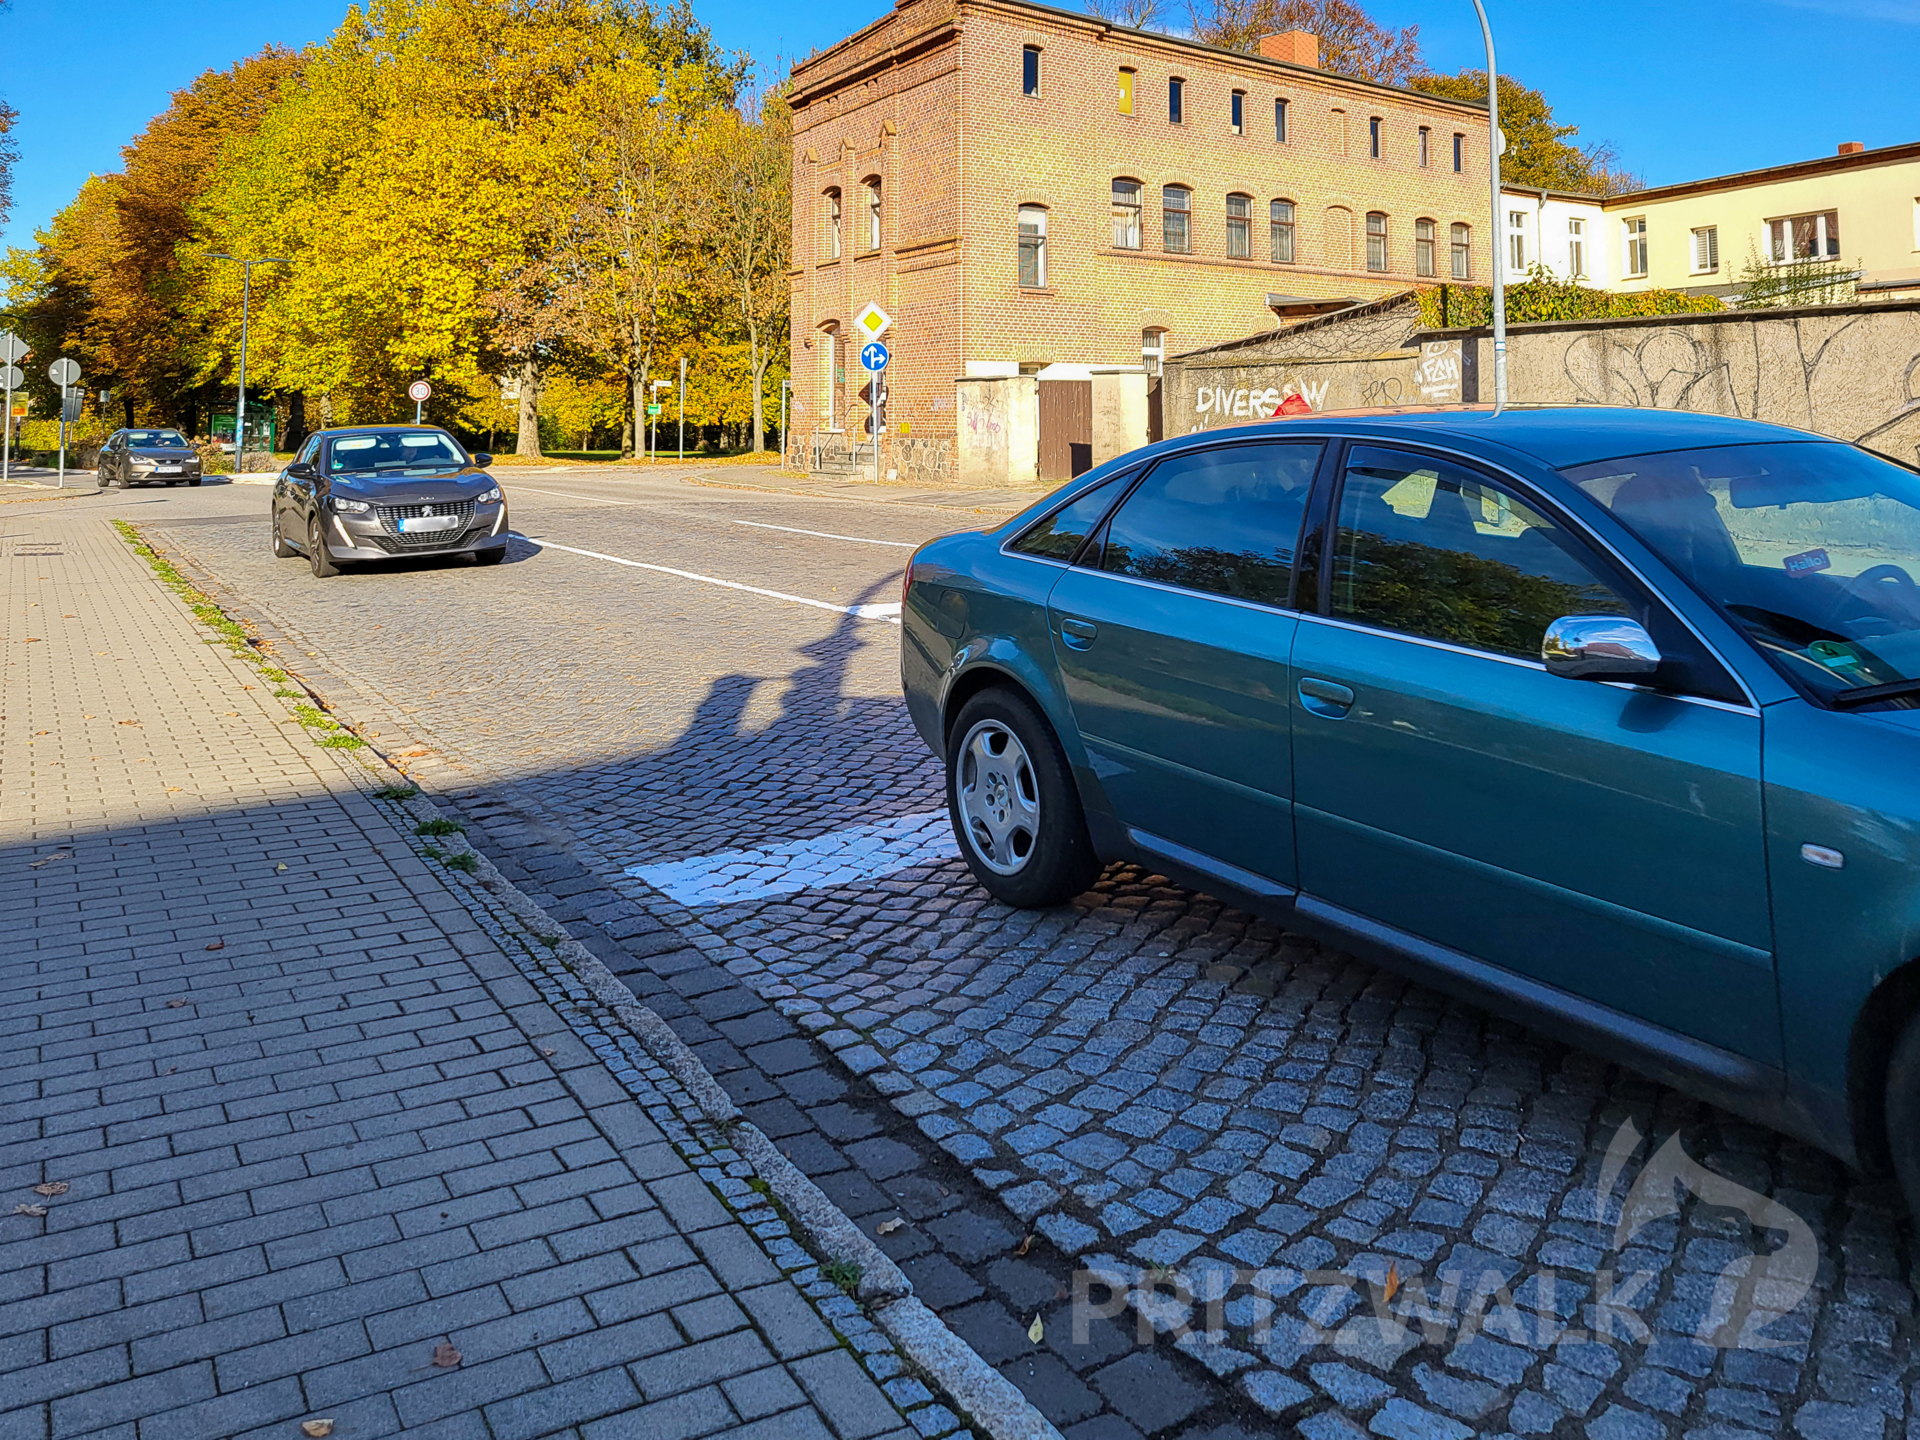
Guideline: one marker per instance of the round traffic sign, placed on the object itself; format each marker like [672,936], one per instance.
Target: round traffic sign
[11,377]
[873,355]
[63,371]
[419,390]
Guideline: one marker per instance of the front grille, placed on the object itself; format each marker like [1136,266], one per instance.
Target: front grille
[390,517]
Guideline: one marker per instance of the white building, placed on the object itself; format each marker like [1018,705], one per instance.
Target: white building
[1562,231]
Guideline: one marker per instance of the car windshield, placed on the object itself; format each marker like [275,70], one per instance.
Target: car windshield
[395,452]
[162,439]
[1813,548]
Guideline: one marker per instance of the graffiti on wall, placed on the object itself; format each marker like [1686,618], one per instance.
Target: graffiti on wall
[1226,402]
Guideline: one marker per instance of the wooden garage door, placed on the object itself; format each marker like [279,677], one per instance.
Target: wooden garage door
[1066,428]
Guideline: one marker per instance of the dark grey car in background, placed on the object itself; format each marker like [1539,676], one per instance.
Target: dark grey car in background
[147,457]
[376,492]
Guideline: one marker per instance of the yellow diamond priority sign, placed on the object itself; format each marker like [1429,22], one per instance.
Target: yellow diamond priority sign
[872,321]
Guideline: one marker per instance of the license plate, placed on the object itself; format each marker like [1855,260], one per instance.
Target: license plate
[430,522]
[166,469]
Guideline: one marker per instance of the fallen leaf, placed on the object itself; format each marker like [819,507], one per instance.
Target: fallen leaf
[1036,1332]
[129,722]
[316,1428]
[218,945]
[52,1187]
[887,1227]
[445,1357]
[31,640]
[173,789]
[176,1004]
[1024,1246]
[281,866]
[35,1210]
[1391,1287]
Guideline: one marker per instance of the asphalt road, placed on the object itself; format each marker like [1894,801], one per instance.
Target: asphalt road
[1157,1084]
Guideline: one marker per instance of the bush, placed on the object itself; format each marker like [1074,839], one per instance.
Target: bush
[1543,296]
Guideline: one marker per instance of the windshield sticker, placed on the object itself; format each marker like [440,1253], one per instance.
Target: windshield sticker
[1807,562]
[1835,654]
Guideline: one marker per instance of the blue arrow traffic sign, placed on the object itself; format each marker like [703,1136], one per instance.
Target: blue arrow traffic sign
[873,355]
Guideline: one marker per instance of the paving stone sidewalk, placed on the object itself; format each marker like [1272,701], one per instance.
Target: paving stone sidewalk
[286,1132]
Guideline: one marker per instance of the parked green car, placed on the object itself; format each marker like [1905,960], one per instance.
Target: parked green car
[1604,718]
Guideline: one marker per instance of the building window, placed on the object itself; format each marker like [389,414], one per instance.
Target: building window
[1176,220]
[1426,147]
[1237,112]
[1153,350]
[1033,247]
[1030,70]
[1239,227]
[1805,237]
[833,224]
[1517,241]
[1126,214]
[1461,244]
[1423,247]
[830,382]
[1339,136]
[1576,249]
[1376,240]
[1280,125]
[1176,101]
[1636,244]
[1459,153]
[1373,138]
[1706,249]
[1126,92]
[872,187]
[1281,226]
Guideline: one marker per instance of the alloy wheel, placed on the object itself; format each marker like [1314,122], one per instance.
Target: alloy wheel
[999,798]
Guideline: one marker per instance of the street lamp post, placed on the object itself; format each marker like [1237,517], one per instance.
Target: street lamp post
[1494,232]
[246,300]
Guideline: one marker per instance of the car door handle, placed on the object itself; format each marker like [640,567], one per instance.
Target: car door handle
[1078,633]
[1323,697]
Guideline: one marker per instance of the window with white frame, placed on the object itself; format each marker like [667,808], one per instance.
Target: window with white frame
[1517,241]
[1280,125]
[1423,247]
[1460,243]
[1576,248]
[1426,146]
[1126,214]
[1239,227]
[1804,237]
[1153,350]
[1176,219]
[1237,112]
[833,224]
[1280,223]
[1634,232]
[1706,249]
[1033,247]
[871,186]
[1376,240]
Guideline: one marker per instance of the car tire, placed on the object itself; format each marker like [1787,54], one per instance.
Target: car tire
[490,556]
[1014,807]
[317,557]
[281,549]
[1903,1112]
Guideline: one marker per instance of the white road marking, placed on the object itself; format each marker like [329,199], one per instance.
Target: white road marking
[890,613]
[828,535]
[844,857]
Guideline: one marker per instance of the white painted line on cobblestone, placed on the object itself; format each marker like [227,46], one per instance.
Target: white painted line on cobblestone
[890,613]
[828,535]
[844,857]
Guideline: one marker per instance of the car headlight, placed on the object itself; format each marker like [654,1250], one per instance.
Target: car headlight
[489,496]
[350,507]
[141,462]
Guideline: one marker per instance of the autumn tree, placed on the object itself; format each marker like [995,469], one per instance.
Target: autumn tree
[1133,14]
[1540,153]
[9,154]
[1351,42]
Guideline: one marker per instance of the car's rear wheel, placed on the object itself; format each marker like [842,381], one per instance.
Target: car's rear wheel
[1903,1112]
[1013,803]
[317,557]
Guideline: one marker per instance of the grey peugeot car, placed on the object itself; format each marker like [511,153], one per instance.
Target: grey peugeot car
[147,457]
[375,492]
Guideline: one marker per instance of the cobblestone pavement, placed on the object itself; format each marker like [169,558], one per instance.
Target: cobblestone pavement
[296,1126]
[1187,1098]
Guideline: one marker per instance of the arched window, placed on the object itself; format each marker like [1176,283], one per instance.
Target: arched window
[1376,240]
[1338,248]
[1126,214]
[1423,247]
[1033,247]
[1462,247]
[871,185]
[833,224]
[1280,223]
[1153,349]
[1176,220]
[1239,227]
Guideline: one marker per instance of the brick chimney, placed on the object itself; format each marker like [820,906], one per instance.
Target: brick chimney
[1847,147]
[1296,47]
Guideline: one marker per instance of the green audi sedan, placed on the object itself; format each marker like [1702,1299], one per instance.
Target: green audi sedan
[1606,719]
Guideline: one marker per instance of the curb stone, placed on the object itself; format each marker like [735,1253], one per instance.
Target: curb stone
[984,1397]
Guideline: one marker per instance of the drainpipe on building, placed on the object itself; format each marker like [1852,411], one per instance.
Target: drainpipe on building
[1495,234]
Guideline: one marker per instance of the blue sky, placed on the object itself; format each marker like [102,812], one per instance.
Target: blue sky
[1684,91]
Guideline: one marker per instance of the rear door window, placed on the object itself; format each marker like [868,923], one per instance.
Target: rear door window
[1224,521]
[1059,536]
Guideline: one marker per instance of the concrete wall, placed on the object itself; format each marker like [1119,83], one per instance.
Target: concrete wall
[999,431]
[1850,371]
[1119,413]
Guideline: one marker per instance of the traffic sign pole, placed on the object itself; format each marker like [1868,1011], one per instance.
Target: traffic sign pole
[419,392]
[64,373]
[683,409]
[874,356]
[11,350]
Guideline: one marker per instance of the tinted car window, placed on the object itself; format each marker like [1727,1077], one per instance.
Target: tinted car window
[1438,551]
[1059,535]
[1225,521]
[394,452]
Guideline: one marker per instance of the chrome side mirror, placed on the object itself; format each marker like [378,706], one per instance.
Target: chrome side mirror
[1599,647]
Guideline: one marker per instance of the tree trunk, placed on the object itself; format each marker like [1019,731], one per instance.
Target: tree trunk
[296,420]
[528,442]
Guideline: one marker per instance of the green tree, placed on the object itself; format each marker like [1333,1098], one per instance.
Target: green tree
[1540,152]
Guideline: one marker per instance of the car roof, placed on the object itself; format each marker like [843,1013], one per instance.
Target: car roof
[378,429]
[1553,436]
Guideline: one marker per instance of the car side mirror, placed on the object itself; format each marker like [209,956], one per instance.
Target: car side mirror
[482,459]
[1599,647]
[300,470]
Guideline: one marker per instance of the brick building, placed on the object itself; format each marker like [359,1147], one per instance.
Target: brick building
[1046,204]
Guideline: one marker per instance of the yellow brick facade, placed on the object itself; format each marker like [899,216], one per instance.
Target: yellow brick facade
[930,101]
